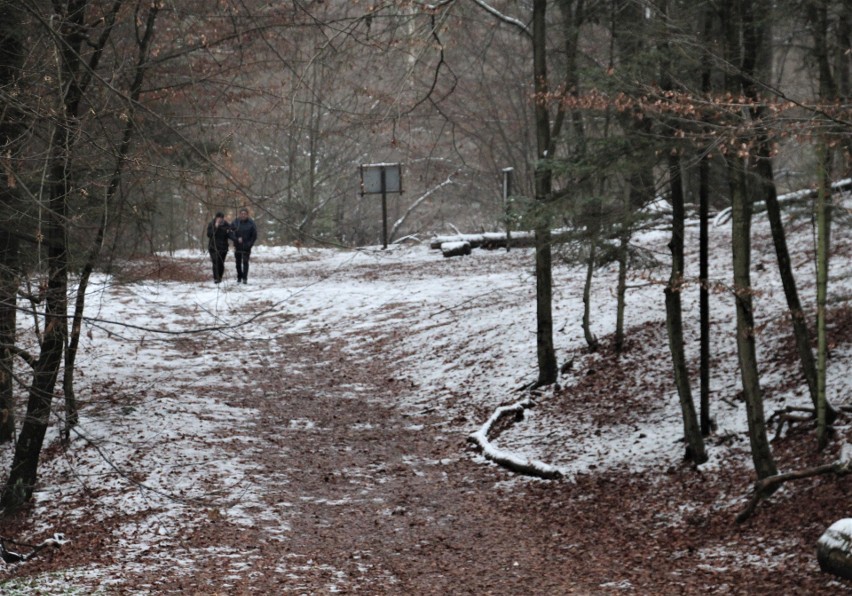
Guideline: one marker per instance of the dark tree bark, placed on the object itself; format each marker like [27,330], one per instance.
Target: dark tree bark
[733,12]
[819,24]
[547,368]
[23,473]
[674,310]
[11,60]
[621,288]
[591,339]
[674,320]
[703,237]
[741,212]
[144,42]
[757,34]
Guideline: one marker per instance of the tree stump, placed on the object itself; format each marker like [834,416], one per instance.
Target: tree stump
[834,549]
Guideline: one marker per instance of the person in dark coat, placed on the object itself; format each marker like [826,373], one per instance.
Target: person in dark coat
[244,235]
[218,233]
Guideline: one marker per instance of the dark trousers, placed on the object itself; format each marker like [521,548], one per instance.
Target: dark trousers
[242,257]
[217,258]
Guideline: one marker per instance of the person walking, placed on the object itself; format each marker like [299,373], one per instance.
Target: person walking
[218,233]
[244,235]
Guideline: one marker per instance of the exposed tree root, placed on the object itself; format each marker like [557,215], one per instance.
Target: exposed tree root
[766,486]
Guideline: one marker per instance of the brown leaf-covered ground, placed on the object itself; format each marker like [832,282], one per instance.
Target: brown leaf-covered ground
[383,499]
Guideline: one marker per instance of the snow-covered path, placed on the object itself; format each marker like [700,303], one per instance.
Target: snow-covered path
[313,440]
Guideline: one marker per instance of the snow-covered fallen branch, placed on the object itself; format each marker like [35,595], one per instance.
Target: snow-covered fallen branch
[506,459]
[10,557]
[724,215]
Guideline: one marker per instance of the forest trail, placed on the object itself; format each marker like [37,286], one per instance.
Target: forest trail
[376,500]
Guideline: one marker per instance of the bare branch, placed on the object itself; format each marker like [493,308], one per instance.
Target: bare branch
[505,18]
[398,223]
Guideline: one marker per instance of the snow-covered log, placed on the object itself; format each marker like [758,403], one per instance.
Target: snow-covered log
[508,460]
[455,249]
[724,216]
[475,240]
[494,240]
[834,549]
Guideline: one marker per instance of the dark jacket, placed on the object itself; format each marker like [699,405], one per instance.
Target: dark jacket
[218,237]
[245,230]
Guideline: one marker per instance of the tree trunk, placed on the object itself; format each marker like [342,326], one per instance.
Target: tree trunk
[71,413]
[818,18]
[22,476]
[733,14]
[11,58]
[591,340]
[621,289]
[547,369]
[741,208]
[757,35]
[801,333]
[704,234]
[674,311]
[823,217]
[23,473]
[674,323]
[8,323]
[704,294]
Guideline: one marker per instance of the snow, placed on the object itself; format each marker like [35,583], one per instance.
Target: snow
[838,536]
[155,440]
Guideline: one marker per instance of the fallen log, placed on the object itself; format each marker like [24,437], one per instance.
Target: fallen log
[724,216]
[455,249]
[495,240]
[475,240]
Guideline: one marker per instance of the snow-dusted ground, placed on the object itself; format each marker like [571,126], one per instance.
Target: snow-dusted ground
[157,416]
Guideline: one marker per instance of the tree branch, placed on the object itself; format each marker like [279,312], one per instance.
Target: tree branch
[766,486]
[504,18]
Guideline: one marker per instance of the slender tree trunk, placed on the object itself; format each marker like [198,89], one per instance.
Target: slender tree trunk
[22,476]
[674,319]
[11,58]
[704,234]
[547,369]
[741,211]
[71,413]
[823,216]
[704,293]
[674,310]
[798,319]
[736,36]
[591,340]
[818,18]
[621,290]
[756,65]
[23,473]
[8,323]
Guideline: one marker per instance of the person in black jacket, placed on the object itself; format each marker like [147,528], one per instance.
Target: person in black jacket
[218,232]
[244,235]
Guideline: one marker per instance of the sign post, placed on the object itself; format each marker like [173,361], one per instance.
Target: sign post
[507,193]
[382,178]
